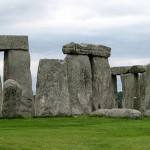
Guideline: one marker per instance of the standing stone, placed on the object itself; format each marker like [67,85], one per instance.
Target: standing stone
[101,83]
[52,96]
[79,83]
[17,67]
[130,91]
[113,98]
[146,102]
[12,99]
[1,96]
[142,86]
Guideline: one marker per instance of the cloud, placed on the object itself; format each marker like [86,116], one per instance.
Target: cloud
[123,25]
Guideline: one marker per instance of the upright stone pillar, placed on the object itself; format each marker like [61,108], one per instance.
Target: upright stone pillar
[101,83]
[146,102]
[79,83]
[113,102]
[1,96]
[142,86]
[17,67]
[130,91]
[52,96]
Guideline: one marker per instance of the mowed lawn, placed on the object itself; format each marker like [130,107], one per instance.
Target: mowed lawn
[78,133]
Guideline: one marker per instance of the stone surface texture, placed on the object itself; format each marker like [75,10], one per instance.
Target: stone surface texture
[146,102]
[142,86]
[122,113]
[52,96]
[86,49]
[120,70]
[137,69]
[130,91]
[114,92]
[12,99]
[79,83]
[1,96]
[17,67]
[147,113]
[13,43]
[101,83]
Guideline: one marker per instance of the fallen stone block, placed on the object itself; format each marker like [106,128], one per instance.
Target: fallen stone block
[120,113]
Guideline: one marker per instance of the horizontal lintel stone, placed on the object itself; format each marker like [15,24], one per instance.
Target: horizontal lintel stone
[13,42]
[86,49]
[120,70]
[128,69]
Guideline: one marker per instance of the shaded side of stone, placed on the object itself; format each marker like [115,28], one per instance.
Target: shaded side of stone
[86,49]
[12,99]
[52,96]
[142,86]
[120,70]
[114,92]
[79,83]
[101,83]
[1,96]
[130,91]
[146,102]
[13,43]
[137,69]
[17,67]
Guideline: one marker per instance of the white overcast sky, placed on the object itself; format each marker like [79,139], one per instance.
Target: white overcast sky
[123,25]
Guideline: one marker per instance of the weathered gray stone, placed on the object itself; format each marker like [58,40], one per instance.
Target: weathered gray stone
[101,83]
[17,67]
[147,113]
[1,96]
[130,91]
[79,83]
[52,96]
[142,86]
[122,113]
[13,43]
[137,69]
[87,49]
[146,102]
[12,99]
[120,70]
[114,92]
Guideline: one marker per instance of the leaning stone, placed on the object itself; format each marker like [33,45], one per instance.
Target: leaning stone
[120,70]
[130,88]
[13,43]
[137,69]
[101,83]
[52,96]
[146,102]
[79,83]
[12,99]
[17,67]
[87,49]
[121,113]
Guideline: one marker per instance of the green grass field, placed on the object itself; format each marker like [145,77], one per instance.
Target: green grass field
[79,133]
